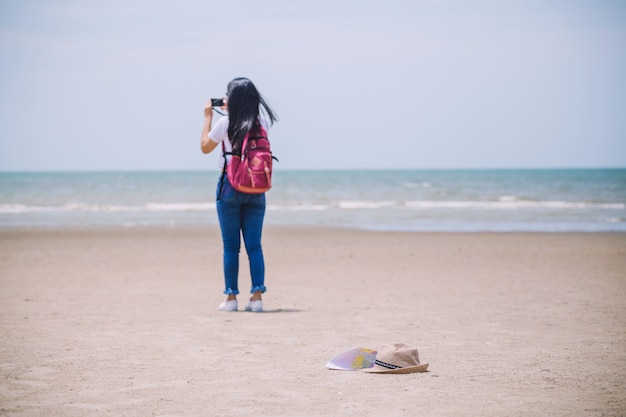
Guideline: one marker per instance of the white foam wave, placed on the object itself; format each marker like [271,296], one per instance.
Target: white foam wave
[298,207]
[512,204]
[352,205]
[417,185]
[503,203]
[98,208]
[18,209]
[180,206]
[105,208]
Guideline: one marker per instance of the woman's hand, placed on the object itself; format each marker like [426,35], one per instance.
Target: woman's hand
[208,110]
[206,144]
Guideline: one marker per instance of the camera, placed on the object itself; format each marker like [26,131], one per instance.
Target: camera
[217,102]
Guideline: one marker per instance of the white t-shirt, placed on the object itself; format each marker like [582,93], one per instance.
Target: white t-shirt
[219,133]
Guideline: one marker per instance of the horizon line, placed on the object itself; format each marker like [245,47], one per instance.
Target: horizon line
[126,170]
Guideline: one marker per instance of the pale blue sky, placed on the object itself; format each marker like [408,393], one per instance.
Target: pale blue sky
[120,84]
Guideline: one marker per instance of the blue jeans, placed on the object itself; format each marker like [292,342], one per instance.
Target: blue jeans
[241,214]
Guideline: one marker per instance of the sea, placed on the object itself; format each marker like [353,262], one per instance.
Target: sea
[550,200]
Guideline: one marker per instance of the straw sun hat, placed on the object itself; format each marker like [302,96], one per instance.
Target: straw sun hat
[399,358]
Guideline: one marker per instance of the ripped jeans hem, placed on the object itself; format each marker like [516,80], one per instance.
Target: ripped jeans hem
[258,288]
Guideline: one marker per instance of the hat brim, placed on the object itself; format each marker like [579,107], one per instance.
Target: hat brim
[408,370]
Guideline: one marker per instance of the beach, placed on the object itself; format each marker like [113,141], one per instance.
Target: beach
[124,321]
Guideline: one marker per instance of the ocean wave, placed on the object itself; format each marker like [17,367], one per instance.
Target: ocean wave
[298,207]
[180,206]
[503,203]
[512,205]
[352,205]
[417,185]
[104,208]
[21,208]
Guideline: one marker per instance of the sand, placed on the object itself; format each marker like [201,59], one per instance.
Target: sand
[124,322]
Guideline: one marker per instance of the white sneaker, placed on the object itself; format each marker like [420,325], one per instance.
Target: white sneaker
[255,306]
[228,305]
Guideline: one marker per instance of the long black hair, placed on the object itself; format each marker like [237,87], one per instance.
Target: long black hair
[244,103]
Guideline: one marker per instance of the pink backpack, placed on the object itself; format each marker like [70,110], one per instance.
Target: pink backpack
[251,172]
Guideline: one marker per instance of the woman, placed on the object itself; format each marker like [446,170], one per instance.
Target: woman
[238,213]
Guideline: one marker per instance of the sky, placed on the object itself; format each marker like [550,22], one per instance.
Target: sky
[357,84]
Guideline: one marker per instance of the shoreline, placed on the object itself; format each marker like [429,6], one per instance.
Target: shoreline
[302,227]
